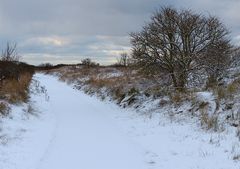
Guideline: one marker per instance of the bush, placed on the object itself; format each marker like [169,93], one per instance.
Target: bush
[13,70]
[89,63]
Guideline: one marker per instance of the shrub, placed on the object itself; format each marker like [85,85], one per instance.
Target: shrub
[13,70]
[89,63]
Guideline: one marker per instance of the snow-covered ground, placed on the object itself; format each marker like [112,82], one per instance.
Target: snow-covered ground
[72,130]
[26,133]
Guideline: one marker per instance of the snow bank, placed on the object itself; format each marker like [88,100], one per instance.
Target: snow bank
[25,134]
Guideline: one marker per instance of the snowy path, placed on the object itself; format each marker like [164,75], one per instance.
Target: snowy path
[84,137]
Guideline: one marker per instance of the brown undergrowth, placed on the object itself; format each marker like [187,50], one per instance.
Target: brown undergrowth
[16,90]
[15,79]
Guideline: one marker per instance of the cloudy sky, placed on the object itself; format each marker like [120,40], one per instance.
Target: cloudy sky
[60,31]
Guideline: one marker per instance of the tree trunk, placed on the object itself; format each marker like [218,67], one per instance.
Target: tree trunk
[182,79]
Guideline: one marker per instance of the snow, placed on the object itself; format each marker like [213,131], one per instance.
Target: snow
[25,136]
[205,96]
[208,97]
[73,130]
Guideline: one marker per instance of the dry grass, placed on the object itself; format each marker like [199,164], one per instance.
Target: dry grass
[227,92]
[221,93]
[4,109]
[208,121]
[100,83]
[16,91]
[180,97]
[232,88]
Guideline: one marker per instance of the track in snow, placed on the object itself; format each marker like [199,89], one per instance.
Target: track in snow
[84,138]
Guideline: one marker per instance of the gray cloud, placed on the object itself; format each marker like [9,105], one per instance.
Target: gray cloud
[69,30]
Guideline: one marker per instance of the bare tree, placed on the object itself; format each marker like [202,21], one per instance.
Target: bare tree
[124,59]
[10,53]
[175,41]
[235,59]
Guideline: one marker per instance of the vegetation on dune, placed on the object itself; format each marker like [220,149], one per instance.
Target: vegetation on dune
[15,78]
